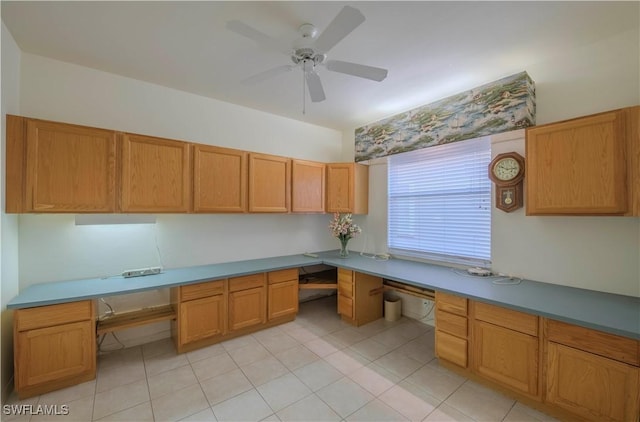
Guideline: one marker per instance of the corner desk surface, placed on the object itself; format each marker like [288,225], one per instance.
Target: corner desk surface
[612,313]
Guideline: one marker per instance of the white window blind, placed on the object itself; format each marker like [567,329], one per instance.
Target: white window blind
[440,203]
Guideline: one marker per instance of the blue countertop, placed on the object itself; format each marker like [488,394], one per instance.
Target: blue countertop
[612,313]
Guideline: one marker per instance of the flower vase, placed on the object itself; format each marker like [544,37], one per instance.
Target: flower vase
[344,252]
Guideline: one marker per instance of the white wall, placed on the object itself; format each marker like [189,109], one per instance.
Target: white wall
[10,63]
[597,253]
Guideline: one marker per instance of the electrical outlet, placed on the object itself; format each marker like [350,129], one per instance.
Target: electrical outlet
[141,272]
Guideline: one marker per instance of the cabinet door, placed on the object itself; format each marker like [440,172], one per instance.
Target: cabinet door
[53,354]
[269,183]
[283,299]
[591,386]
[307,186]
[69,168]
[578,166]
[347,188]
[156,175]
[247,308]
[506,357]
[219,179]
[202,318]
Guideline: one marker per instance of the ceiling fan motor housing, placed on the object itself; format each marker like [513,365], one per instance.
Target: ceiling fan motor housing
[302,54]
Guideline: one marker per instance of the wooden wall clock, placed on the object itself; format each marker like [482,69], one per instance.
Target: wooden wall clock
[507,172]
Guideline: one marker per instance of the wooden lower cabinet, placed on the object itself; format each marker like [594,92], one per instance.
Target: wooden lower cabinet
[505,347]
[451,348]
[54,347]
[201,311]
[203,318]
[359,297]
[571,372]
[282,293]
[593,387]
[247,301]
[506,356]
[452,329]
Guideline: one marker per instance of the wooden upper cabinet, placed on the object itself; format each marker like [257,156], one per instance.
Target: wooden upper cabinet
[307,186]
[57,167]
[580,166]
[347,188]
[219,179]
[269,183]
[156,175]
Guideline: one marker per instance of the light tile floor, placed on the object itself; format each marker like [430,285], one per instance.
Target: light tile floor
[316,368]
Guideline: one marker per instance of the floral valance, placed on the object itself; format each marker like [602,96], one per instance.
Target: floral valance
[500,106]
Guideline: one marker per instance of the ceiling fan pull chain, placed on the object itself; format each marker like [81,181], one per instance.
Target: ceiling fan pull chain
[304,96]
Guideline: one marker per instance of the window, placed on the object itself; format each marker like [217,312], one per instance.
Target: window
[440,203]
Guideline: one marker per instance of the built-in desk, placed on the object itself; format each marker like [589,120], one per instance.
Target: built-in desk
[484,330]
[615,314]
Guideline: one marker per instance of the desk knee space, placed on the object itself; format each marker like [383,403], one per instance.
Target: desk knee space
[135,318]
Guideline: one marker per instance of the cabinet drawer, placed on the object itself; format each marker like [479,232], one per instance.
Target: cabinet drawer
[507,318]
[345,288]
[451,303]
[246,282]
[206,289]
[452,324]
[282,275]
[48,316]
[451,348]
[608,345]
[345,306]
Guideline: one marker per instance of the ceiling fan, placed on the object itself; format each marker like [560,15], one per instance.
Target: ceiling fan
[310,51]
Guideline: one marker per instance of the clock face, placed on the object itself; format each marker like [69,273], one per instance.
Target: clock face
[506,169]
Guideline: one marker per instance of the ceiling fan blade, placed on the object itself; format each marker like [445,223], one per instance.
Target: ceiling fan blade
[315,87]
[346,21]
[359,70]
[267,74]
[258,37]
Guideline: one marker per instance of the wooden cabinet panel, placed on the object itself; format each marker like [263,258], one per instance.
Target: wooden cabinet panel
[247,308]
[578,166]
[282,275]
[202,318]
[156,175]
[451,303]
[451,348]
[50,352]
[604,344]
[47,316]
[347,188]
[199,290]
[246,282]
[592,387]
[505,356]
[283,299]
[632,117]
[345,306]
[219,179]
[269,183]
[307,186]
[451,323]
[359,297]
[57,167]
[514,320]
[55,353]
[451,328]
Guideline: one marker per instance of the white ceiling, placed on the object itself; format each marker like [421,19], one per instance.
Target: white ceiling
[431,49]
